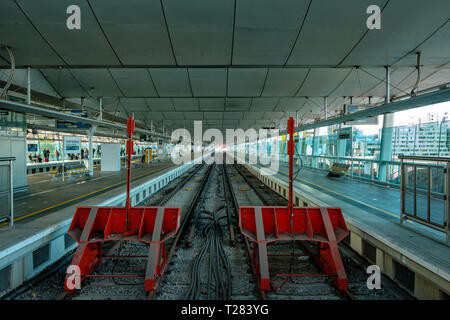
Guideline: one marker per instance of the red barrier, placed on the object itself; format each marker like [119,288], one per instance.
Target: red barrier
[91,226]
[152,225]
[265,225]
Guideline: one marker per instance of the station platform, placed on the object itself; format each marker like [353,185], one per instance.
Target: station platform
[39,167]
[46,193]
[413,255]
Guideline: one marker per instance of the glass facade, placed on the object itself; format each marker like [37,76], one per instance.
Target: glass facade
[427,139]
[12,124]
[361,152]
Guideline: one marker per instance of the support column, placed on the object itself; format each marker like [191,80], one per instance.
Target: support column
[386,134]
[315,148]
[101,109]
[28,85]
[325,104]
[91,132]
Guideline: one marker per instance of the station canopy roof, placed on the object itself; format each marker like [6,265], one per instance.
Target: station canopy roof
[230,63]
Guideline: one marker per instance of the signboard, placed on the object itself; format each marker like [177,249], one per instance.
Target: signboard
[72,144]
[63,124]
[344,134]
[32,147]
[351,108]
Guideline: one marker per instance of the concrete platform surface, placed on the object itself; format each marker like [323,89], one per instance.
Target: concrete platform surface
[47,194]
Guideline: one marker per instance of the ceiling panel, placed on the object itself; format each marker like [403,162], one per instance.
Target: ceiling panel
[237,104]
[331,29]
[193,115]
[273,115]
[266,32]
[252,115]
[64,82]
[134,82]
[49,17]
[171,82]
[98,82]
[435,51]
[208,82]
[264,104]
[439,77]
[110,104]
[160,104]
[359,82]
[135,104]
[185,104]
[401,31]
[244,82]
[174,115]
[229,123]
[290,104]
[316,104]
[322,81]
[211,104]
[233,115]
[399,79]
[140,115]
[213,115]
[246,123]
[139,36]
[214,122]
[27,45]
[284,82]
[201,30]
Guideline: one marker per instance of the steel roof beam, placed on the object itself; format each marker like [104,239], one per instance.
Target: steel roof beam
[438,96]
[53,114]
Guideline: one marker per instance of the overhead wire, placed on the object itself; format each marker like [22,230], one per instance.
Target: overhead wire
[11,75]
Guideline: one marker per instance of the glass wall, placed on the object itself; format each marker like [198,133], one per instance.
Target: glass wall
[360,152]
[12,123]
[427,139]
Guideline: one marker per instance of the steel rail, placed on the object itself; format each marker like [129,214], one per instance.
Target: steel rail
[152,294]
[235,203]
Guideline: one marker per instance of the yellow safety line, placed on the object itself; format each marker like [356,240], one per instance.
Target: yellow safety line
[83,196]
[345,196]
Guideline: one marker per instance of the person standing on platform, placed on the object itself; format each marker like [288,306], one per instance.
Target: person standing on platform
[57,155]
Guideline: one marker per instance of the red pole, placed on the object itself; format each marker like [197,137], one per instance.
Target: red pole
[291,150]
[130,131]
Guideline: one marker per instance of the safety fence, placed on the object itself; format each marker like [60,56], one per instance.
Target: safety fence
[425,187]
[7,190]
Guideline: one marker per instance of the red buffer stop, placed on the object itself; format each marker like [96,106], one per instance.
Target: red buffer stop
[91,227]
[268,225]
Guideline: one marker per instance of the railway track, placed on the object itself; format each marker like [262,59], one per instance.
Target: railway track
[209,258]
[296,257]
[210,264]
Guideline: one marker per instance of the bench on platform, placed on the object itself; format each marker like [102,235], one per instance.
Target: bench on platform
[338,170]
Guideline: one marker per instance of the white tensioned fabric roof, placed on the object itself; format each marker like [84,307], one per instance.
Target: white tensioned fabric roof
[230,63]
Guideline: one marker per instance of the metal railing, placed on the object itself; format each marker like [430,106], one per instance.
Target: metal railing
[421,200]
[9,192]
[359,168]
